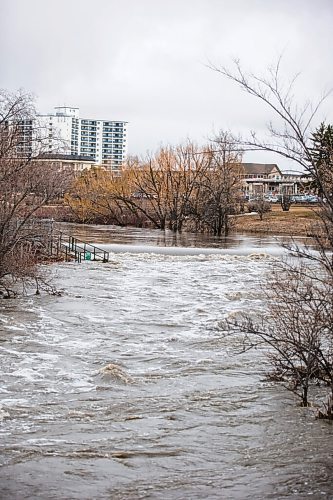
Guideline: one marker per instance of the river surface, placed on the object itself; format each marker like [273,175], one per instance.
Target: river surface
[124,387]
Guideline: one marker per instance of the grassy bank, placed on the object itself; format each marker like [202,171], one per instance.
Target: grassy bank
[299,221]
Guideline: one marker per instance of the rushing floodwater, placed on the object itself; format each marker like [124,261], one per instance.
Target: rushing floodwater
[124,387]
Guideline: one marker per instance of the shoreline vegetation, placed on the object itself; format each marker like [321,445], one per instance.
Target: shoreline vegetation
[298,221]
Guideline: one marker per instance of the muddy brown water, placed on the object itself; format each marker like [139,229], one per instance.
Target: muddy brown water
[124,387]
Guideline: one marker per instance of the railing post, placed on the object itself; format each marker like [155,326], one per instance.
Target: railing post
[77,247]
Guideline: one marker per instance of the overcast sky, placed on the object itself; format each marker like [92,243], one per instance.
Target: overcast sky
[145,61]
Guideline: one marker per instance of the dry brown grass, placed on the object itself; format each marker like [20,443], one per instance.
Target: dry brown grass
[299,221]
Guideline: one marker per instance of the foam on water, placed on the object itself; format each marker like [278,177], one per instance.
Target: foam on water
[124,387]
[3,413]
[193,251]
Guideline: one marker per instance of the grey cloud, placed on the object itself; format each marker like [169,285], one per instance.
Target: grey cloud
[145,60]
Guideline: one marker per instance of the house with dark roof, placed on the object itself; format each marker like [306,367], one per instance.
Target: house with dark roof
[267,178]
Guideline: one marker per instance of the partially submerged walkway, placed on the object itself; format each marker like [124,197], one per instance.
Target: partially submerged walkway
[81,250]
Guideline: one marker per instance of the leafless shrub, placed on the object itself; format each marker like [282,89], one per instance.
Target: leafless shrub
[261,206]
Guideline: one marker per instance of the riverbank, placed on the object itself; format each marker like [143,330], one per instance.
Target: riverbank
[299,221]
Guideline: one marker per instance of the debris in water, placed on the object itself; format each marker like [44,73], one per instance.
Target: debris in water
[115,371]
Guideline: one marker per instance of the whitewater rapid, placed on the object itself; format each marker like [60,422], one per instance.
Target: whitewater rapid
[125,386]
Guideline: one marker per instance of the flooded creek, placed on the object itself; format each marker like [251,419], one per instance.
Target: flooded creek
[125,388]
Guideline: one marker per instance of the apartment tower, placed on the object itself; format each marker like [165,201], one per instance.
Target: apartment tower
[105,141]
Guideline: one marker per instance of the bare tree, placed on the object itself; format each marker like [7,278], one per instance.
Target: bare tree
[220,184]
[150,184]
[189,185]
[293,137]
[26,184]
[96,196]
[178,187]
[186,176]
[299,333]
[296,329]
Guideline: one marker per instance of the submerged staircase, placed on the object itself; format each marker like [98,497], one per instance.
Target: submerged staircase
[79,250]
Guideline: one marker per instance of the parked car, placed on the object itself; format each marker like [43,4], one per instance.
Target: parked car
[299,198]
[313,198]
[306,198]
[271,198]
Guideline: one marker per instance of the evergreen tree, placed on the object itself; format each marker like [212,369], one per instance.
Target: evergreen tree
[322,156]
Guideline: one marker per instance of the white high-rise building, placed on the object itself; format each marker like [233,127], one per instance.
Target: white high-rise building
[103,140]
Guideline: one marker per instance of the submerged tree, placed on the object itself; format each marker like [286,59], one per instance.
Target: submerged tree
[296,329]
[220,184]
[299,331]
[96,197]
[177,187]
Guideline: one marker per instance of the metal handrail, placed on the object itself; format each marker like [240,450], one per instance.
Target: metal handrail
[78,247]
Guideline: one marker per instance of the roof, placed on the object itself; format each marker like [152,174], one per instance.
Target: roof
[64,157]
[259,168]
